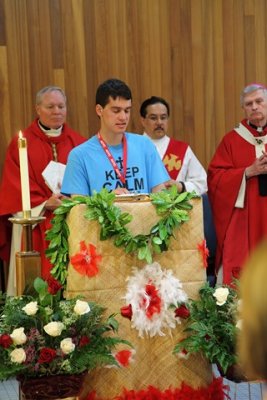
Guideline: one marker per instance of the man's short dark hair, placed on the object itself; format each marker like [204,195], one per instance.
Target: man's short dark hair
[151,101]
[112,88]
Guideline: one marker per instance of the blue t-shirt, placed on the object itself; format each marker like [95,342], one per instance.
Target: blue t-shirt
[89,169]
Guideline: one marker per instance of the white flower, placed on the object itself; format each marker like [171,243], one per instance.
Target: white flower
[18,336]
[31,308]
[54,328]
[67,346]
[81,307]
[239,324]
[221,295]
[18,356]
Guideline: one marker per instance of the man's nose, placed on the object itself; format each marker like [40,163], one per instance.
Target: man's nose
[254,105]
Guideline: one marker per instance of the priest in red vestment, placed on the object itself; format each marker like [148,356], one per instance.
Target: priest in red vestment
[49,138]
[237,185]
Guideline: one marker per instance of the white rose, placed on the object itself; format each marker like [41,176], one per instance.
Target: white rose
[54,328]
[18,336]
[67,346]
[81,307]
[31,308]
[221,295]
[18,356]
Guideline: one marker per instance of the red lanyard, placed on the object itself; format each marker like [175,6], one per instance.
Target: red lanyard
[111,158]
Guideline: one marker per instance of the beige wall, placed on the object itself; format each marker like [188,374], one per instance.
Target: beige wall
[198,54]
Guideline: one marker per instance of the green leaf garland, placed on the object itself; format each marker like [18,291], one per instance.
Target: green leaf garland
[170,205]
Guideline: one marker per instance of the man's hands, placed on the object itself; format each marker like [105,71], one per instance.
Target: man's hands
[53,202]
[259,166]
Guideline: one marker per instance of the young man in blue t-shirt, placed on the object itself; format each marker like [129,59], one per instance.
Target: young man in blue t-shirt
[114,159]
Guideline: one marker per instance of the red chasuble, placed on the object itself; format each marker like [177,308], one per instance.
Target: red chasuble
[39,155]
[174,157]
[238,230]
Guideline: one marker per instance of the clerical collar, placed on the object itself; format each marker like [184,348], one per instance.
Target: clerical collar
[49,131]
[258,128]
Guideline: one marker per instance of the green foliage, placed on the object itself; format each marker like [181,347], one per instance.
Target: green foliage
[91,338]
[211,328]
[171,206]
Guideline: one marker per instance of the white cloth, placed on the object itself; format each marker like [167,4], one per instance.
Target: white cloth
[191,173]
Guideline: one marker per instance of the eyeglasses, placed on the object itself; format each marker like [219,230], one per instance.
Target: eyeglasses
[155,118]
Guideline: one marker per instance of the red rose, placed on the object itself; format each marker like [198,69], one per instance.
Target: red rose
[182,312]
[127,311]
[84,341]
[46,355]
[53,285]
[5,341]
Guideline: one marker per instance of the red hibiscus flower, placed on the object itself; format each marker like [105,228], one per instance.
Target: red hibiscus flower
[5,341]
[182,312]
[124,357]
[84,341]
[53,285]
[154,303]
[127,311]
[202,247]
[46,355]
[86,261]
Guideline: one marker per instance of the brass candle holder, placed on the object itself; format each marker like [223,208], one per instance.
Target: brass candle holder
[28,261]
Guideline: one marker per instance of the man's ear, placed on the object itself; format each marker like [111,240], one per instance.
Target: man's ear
[99,110]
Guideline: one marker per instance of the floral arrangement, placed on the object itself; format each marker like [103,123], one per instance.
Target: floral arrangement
[152,295]
[211,325]
[46,335]
[173,208]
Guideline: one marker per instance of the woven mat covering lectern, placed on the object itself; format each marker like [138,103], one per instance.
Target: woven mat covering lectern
[154,364]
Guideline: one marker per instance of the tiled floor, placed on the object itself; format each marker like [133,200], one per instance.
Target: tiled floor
[9,390]
[242,391]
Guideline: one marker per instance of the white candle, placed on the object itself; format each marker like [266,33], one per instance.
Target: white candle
[24,173]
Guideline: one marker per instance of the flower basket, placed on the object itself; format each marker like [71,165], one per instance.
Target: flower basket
[51,387]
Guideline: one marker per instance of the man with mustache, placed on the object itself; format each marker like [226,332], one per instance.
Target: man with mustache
[183,167]
[237,183]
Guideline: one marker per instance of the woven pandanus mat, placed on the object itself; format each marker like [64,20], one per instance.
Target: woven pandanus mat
[154,364]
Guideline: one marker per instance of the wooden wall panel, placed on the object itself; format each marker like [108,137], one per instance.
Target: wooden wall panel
[198,54]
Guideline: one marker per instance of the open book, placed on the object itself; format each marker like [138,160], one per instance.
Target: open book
[53,176]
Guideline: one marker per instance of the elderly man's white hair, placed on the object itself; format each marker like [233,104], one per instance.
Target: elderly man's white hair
[251,88]
[49,89]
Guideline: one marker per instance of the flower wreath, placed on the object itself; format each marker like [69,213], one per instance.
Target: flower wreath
[170,205]
[152,295]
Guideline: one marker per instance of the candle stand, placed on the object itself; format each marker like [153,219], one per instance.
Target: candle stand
[28,261]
